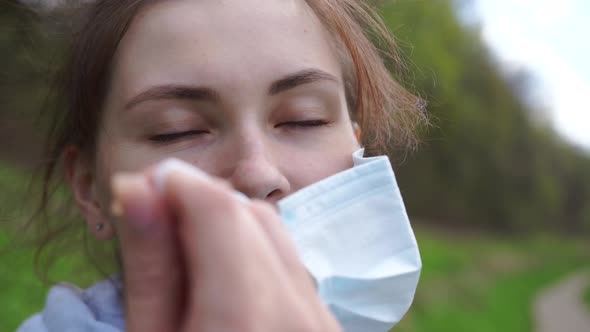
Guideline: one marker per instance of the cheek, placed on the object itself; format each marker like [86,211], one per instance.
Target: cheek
[307,167]
[114,156]
[106,165]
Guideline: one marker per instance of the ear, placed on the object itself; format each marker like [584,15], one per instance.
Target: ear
[82,180]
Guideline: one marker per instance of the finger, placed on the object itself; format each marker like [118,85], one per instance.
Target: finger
[152,268]
[235,274]
[218,232]
[281,241]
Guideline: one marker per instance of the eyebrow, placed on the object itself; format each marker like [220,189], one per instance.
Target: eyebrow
[175,91]
[305,76]
[172,91]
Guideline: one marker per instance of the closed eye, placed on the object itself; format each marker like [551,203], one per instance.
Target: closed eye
[176,136]
[308,123]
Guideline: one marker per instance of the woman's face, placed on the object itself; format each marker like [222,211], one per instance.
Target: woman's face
[249,91]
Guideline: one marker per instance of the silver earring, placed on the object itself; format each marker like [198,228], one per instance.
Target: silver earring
[99,226]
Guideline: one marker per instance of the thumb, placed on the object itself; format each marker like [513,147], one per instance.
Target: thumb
[152,269]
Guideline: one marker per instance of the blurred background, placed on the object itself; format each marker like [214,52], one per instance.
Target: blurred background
[498,192]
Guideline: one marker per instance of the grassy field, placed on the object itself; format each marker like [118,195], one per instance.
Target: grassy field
[475,282]
[470,281]
[22,293]
[587,297]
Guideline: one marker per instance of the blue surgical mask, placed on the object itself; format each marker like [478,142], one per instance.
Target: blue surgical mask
[352,233]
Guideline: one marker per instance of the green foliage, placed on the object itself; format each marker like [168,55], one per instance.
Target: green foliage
[488,161]
[34,46]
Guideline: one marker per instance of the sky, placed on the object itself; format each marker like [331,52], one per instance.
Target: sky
[550,39]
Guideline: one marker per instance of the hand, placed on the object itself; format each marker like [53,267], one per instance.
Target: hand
[196,258]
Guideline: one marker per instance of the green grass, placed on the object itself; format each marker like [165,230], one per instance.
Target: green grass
[22,293]
[486,283]
[470,282]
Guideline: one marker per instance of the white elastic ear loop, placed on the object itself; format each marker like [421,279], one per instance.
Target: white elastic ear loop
[166,167]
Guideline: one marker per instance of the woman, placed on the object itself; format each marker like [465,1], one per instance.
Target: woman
[266,98]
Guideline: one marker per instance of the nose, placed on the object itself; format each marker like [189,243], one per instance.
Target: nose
[258,176]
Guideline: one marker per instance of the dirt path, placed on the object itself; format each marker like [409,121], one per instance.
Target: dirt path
[560,307]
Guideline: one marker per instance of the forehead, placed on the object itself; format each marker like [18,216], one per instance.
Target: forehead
[227,43]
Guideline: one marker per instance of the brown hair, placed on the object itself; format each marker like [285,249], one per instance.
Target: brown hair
[387,113]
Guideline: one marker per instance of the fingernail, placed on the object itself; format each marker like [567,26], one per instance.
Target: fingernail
[117,208]
[175,165]
[241,196]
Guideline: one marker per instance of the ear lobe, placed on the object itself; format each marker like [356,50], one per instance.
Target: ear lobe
[82,180]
